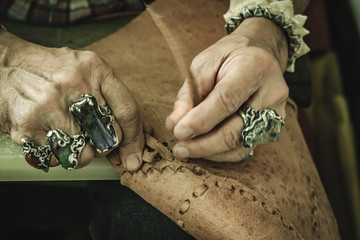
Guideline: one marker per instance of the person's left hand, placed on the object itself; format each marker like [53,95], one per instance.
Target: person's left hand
[38,86]
[244,68]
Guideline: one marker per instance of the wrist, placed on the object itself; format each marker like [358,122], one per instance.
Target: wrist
[281,13]
[264,33]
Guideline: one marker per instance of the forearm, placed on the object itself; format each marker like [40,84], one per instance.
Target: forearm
[281,13]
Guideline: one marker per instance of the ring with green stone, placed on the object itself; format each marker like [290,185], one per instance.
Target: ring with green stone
[97,122]
[66,148]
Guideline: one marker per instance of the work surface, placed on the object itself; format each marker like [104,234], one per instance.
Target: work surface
[13,167]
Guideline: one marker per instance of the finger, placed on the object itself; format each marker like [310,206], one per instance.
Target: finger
[147,127]
[236,155]
[86,156]
[228,95]
[222,102]
[183,103]
[46,110]
[69,126]
[114,158]
[26,125]
[37,137]
[225,137]
[126,112]
[203,71]
[103,143]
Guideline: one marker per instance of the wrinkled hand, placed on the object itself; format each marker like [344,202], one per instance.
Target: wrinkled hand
[244,68]
[38,85]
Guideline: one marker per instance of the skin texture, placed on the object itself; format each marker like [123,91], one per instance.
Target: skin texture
[38,84]
[244,68]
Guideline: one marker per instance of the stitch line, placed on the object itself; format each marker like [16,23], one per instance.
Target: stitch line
[186,204]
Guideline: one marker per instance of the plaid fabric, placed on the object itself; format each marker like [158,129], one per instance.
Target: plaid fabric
[49,12]
[102,7]
[19,10]
[79,9]
[62,12]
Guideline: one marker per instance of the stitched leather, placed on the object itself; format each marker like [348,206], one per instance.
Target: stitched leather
[277,194]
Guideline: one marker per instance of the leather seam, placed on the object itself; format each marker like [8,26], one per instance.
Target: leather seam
[183,208]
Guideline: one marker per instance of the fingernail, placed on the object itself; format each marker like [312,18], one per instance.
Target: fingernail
[183,132]
[181,152]
[132,162]
[169,124]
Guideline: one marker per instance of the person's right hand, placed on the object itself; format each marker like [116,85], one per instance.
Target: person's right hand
[243,69]
[38,84]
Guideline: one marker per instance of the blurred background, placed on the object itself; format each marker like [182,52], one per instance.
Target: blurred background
[329,117]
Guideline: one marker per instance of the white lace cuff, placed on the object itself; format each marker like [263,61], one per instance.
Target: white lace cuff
[280,12]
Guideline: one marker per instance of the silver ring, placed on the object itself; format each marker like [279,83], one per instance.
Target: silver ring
[66,148]
[37,156]
[97,122]
[260,126]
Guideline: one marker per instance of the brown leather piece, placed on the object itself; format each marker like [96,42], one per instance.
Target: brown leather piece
[276,194]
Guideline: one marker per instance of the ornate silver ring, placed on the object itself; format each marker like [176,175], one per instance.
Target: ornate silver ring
[97,122]
[37,156]
[260,126]
[66,148]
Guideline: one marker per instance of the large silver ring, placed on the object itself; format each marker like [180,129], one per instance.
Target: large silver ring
[66,148]
[97,122]
[37,156]
[260,126]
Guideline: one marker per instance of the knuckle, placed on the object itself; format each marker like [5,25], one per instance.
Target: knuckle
[15,136]
[23,119]
[197,62]
[281,94]
[227,102]
[88,55]
[91,59]
[194,67]
[284,92]
[129,113]
[97,66]
[231,138]
[66,51]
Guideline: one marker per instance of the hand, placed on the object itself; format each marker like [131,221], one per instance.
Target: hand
[38,84]
[244,68]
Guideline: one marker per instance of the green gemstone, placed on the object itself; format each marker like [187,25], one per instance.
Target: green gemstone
[96,122]
[60,144]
